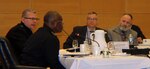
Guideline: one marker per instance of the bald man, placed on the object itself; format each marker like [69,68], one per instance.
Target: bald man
[122,31]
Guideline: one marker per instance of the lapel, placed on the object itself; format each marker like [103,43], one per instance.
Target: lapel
[84,31]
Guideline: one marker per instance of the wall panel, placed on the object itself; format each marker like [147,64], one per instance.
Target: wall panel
[138,6]
[109,20]
[70,20]
[7,21]
[142,20]
[113,6]
[13,6]
[90,5]
[64,6]
[74,13]
[141,13]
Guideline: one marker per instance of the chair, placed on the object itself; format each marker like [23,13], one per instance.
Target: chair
[3,57]
[8,58]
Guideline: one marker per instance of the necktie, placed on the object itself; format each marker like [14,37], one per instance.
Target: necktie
[89,39]
[91,32]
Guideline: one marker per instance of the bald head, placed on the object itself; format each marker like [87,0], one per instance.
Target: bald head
[126,18]
[54,21]
[125,22]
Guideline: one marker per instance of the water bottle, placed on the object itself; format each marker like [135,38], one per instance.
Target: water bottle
[131,41]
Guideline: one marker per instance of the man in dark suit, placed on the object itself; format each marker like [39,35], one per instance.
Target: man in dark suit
[82,33]
[18,34]
[42,48]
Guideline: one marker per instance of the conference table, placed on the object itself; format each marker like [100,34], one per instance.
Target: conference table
[111,62]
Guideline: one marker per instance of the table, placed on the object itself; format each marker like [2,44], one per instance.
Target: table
[113,62]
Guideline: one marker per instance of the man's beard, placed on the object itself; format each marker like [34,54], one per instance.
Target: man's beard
[125,28]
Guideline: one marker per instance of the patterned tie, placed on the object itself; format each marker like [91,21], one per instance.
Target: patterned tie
[89,40]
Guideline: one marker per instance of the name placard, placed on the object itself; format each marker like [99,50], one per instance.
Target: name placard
[119,45]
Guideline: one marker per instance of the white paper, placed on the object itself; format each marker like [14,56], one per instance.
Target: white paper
[119,45]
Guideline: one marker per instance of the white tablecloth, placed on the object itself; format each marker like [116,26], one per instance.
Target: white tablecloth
[113,62]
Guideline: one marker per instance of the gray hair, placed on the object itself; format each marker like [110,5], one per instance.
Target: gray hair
[25,12]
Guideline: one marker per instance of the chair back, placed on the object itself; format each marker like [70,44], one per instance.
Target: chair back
[8,58]
[7,53]
[3,58]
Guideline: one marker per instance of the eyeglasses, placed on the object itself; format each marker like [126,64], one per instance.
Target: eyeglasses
[31,18]
[92,18]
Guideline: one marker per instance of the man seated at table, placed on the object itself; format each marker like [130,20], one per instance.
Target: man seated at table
[82,33]
[140,35]
[123,30]
[19,34]
[42,48]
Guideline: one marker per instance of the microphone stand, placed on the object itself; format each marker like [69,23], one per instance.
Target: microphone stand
[67,33]
[69,49]
[94,39]
[78,35]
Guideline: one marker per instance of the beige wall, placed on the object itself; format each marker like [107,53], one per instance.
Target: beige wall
[74,12]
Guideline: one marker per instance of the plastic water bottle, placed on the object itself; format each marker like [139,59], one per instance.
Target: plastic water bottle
[131,41]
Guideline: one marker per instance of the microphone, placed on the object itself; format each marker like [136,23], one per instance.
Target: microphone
[77,34]
[67,33]
[70,36]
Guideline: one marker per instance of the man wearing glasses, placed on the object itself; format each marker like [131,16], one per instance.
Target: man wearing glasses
[42,48]
[82,33]
[18,34]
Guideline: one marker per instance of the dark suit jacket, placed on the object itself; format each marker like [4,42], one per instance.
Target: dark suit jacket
[17,36]
[138,30]
[42,49]
[81,31]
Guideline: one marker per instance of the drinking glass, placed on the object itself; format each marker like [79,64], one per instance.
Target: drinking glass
[111,47]
[75,44]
